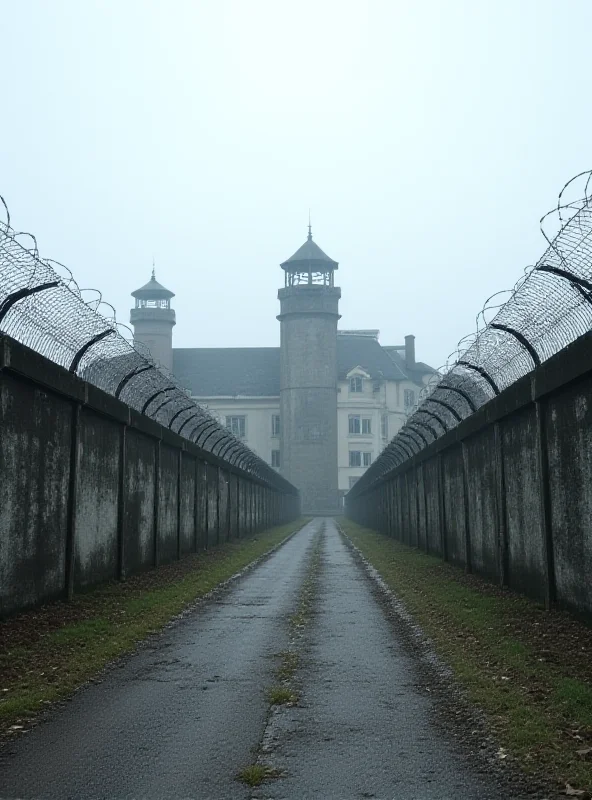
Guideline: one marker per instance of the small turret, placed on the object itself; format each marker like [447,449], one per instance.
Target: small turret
[153,320]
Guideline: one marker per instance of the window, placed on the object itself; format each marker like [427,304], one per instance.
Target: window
[359,459]
[354,424]
[356,384]
[384,426]
[359,424]
[355,458]
[238,426]
[409,398]
[275,425]
[275,458]
[352,481]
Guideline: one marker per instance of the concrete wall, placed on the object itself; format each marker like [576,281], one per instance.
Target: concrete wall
[508,493]
[308,393]
[92,491]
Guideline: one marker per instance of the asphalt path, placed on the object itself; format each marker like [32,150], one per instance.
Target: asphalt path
[364,728]
[180,718]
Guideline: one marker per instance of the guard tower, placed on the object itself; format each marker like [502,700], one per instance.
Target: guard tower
[153,320]
[308,377]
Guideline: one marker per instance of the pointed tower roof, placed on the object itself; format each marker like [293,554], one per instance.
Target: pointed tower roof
[311,255]
[153,290]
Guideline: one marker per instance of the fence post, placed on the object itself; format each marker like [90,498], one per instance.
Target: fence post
[196,506]
[465,460]
[121,504]
[501,504]
[545,494]
[218,505]
[442,509]
[228,509]
[72,491]
[179,495]
[156,499]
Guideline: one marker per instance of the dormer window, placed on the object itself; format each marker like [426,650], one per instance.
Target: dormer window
[356,384]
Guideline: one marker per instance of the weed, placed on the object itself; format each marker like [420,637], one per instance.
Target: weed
[528,669]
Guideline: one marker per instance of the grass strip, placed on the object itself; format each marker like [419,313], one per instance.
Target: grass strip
[47,653]
[529,670]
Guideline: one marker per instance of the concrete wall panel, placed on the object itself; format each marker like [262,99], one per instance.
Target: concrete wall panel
[569,433]
[138,520]
[97,496]
[35,467]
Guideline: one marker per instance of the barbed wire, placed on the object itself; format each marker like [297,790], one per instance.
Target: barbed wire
[548,308]
[43,307]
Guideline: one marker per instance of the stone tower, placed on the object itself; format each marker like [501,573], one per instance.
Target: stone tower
[153,320]
[308,376]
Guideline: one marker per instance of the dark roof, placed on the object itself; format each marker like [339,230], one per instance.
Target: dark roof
[366,352]
[153,290]
[309,254]
[228,371]
[255,371]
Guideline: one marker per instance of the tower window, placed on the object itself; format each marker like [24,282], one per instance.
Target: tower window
[275,459]
[358,424]
[356,384]
[409,398]
[384,426]
[237,425]
[275,425]
[354,424]
[352,481]
[357,458]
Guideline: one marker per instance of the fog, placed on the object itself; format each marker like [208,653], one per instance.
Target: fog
[426,138]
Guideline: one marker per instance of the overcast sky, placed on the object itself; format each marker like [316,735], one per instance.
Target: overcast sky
[427,138]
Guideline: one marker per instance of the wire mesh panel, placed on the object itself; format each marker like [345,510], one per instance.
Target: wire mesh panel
[42,307]
[550,307]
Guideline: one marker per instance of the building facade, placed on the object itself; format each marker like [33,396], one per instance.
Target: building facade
[319,408]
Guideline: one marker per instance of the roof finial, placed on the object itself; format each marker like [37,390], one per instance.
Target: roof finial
[153,272]
[309,227]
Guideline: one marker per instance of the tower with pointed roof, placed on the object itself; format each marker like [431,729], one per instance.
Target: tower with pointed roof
[308,376]
[153,320]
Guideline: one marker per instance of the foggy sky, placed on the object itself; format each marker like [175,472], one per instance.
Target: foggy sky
[427,138]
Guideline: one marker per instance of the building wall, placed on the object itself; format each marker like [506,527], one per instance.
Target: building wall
[258,411]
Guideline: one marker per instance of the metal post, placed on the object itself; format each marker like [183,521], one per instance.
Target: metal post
[545,494]
[442,509]
[228,509]
[501,504]
[196,506]
[121,504]
[156,499]
[179,495]
[465,460]
[218,505]
[72,491]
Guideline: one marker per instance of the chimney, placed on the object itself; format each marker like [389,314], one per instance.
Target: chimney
[410,350]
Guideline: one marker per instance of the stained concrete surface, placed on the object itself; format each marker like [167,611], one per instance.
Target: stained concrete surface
[363,729]
[179,719]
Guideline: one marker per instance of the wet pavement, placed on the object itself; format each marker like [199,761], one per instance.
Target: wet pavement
[363,728]
[181,717]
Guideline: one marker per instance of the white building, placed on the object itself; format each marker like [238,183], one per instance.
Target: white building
[377,386]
